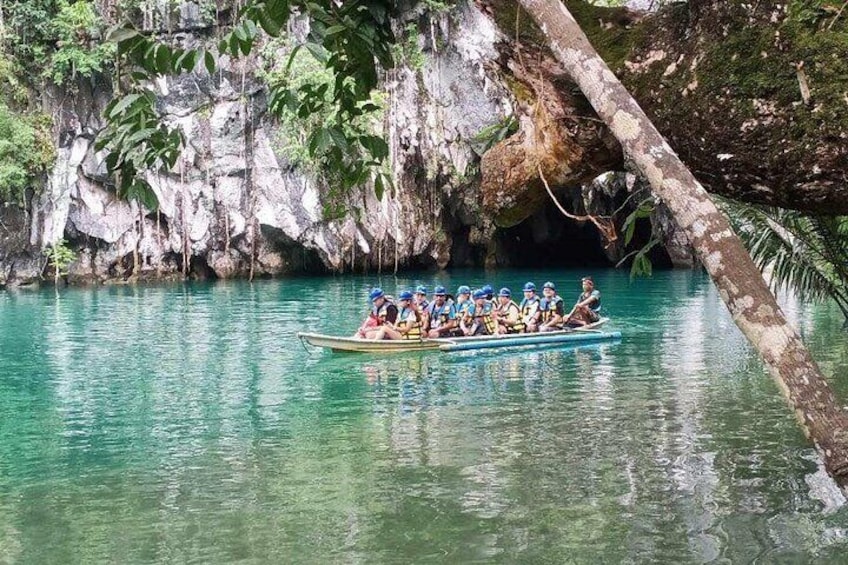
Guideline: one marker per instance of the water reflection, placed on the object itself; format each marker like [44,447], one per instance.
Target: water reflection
[188,423]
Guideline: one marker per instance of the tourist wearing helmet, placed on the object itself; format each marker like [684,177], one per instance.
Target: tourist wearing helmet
[383,311]
[441,315]
[507,314]
[489,291]
[479,319]
[530,308]
[463,301]
[551,309]
[419,302]
[408,324]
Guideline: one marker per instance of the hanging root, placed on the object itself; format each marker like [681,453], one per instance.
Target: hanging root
[604,224]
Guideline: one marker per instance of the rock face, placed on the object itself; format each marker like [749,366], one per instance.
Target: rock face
[752,96]
[235,207]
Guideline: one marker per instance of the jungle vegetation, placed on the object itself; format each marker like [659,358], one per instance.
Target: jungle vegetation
[325,89]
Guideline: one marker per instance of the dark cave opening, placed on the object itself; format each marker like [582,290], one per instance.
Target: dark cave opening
[547,239]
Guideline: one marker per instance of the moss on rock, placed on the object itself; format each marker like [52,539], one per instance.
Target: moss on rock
[609,29]
[724,86]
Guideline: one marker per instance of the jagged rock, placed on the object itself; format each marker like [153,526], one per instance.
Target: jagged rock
[234,206]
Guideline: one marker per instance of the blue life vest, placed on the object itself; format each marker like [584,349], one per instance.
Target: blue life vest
[441,315]
[549,307]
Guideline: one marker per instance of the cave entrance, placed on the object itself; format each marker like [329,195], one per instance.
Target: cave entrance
[548,239]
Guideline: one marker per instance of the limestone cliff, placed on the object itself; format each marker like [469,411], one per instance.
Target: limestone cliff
[235,207]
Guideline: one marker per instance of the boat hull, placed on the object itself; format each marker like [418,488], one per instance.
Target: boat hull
[535,339]
[356,345]
[586,334]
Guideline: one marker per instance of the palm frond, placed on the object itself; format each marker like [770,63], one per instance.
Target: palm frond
[808,254]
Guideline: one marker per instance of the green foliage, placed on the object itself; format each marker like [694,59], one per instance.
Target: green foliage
[351,39]
[409,51]
[25,152]
[641,265]
[813,12]
[491,135]
[79,51]
[731,68]
[805,252]
[438,6]
[59,257]
[601,23]
[134,126]
[27,37]
[12,88]
[303,137]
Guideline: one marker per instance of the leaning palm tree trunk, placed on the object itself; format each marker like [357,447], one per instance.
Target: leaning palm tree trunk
[739,282]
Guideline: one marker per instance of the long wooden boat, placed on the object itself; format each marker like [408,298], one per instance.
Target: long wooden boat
[586,334]
[357,345]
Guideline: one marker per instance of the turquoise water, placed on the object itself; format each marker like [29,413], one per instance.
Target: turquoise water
[187,424]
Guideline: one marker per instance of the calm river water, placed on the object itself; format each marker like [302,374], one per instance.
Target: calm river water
[187,424]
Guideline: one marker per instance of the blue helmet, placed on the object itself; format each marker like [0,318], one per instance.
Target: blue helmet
[488,289]
[376,293]
[529,286]
[421,289]
[505,292]
[463,290]
[405,295]
[439,291]
[549,285]
[479,293]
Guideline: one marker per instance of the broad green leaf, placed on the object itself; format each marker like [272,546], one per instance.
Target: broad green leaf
[317,51]
[209,61]
[121,33]
[338,137]
[122,105]
[163,59]
[333,30]
[268,23]
[379,189]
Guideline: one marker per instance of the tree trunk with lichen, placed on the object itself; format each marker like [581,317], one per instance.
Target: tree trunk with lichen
[741,286]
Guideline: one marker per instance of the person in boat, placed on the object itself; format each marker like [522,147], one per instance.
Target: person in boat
[408,323]
[588,307]
[463,301]
[551,309]
[419,302]
[529,308]
[441,315]
[420,298]
[383,311]
[507,314]
[490,292]
[479,318]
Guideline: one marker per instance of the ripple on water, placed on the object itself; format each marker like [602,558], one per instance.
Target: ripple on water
[188,423]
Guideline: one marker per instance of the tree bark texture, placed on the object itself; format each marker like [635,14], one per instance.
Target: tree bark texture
[740,284]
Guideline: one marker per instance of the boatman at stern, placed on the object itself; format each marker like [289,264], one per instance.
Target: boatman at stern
[588,307]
